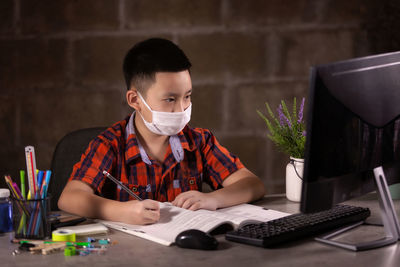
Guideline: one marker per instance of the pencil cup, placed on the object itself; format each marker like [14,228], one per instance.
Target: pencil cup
[31,218]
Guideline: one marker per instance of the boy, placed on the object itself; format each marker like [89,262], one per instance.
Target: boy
[154,152]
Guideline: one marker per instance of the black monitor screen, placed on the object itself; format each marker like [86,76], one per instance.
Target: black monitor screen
[353,126]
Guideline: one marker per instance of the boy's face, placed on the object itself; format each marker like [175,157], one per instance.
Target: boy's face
[170,92]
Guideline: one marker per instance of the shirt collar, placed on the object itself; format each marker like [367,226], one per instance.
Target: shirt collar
[131,142]
[177,142]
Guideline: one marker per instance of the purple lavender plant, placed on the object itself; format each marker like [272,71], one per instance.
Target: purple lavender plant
[301,111]
[283,118]
[287,130]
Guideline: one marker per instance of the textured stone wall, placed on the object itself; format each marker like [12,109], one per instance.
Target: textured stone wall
[60,64]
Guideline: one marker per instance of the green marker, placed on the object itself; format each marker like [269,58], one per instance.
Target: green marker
[22,223]
[22,175]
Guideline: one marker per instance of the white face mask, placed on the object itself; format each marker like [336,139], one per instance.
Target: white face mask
[167,123]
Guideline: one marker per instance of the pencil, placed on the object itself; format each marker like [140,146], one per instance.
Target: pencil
[121,185]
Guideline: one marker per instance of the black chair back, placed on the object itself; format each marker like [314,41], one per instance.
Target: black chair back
[68,152]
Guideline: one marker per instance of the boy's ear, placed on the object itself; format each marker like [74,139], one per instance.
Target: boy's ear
[132,98]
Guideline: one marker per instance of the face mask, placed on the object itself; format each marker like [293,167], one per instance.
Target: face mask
[167,123]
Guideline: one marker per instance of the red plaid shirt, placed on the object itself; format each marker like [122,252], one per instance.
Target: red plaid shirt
[204,160]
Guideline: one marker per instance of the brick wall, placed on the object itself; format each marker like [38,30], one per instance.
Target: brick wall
[60,64]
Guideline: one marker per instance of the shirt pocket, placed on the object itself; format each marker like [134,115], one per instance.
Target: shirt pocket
[142,191]
[193,182]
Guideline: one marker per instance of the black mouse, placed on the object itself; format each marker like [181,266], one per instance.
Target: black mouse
[196,239]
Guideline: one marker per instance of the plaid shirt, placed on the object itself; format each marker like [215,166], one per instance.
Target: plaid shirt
[118,151]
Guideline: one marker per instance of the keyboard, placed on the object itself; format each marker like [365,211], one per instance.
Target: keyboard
[296,226]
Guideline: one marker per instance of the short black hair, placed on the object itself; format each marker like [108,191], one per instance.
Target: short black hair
[153,55]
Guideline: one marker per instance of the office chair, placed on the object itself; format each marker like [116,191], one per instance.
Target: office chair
[68,152]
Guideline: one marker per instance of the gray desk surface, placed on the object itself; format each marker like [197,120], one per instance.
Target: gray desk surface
[134,251]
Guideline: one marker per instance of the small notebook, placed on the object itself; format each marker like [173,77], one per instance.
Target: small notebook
[87,229]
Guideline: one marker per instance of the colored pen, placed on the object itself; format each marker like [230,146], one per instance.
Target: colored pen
[15,194]
[22,224]
[121,185]
[46,183]
[19,194]
[14,186]
[34,221]
[11,186]
[22,176]
[39,183]
[43,195]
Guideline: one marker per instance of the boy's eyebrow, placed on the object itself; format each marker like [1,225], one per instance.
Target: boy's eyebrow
[173,94]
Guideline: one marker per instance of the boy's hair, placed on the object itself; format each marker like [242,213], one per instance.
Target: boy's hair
[153,55]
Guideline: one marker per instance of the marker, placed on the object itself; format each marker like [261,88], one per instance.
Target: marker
[22,224]
[22,176]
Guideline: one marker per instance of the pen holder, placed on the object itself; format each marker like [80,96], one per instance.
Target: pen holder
[31,218]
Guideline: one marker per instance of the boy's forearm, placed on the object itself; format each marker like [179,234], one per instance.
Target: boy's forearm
[87,204]
[245,190]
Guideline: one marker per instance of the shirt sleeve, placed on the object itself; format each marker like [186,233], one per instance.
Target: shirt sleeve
[218,162]
[99,156]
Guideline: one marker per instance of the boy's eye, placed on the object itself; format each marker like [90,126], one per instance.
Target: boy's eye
[188,96]
[170,99]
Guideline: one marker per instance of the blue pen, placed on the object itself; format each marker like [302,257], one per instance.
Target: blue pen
[43,192]
[46,184]
[39,184]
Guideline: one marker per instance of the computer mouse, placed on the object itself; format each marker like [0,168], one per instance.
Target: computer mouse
[196,239]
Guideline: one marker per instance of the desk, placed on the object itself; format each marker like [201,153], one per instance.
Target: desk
[134,251]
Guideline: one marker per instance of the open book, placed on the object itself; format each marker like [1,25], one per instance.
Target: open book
[174,220]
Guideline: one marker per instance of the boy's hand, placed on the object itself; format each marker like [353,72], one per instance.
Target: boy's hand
[194,200]
[141,212]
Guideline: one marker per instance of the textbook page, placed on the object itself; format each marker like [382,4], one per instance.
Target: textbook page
[249,213]
[174,220]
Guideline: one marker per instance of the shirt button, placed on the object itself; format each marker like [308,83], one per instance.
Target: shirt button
[191,181]
[134,189]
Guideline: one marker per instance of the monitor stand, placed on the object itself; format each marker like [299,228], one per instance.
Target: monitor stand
[388,215]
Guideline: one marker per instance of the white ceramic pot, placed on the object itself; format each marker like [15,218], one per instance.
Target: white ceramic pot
[294,176]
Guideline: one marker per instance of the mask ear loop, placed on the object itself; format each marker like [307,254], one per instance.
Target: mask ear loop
[291,161]
[147,106]
[144,102]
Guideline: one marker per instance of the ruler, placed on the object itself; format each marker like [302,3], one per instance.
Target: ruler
[31,169]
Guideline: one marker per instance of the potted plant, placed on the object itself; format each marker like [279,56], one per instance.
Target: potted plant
[287,132]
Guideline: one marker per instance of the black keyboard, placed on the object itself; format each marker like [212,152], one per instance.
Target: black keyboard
[293,227]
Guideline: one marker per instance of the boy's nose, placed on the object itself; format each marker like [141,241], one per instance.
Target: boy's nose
[180,107]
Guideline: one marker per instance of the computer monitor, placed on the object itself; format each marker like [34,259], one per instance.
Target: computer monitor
[353,127]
